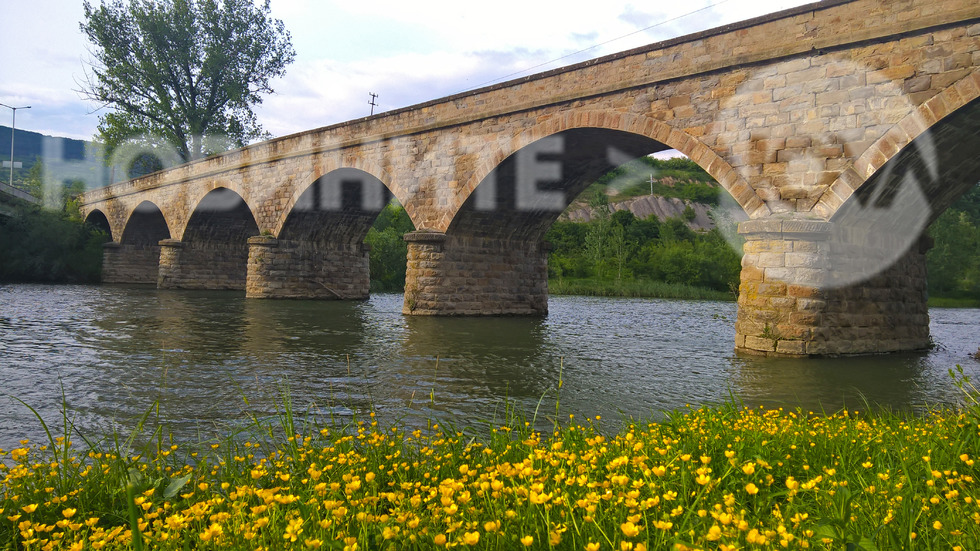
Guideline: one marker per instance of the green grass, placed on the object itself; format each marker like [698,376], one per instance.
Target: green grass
[634,288]
[946,302]
[725,477]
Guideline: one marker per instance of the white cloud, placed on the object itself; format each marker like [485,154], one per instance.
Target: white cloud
[408,52]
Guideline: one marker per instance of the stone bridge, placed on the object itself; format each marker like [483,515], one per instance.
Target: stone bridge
[840,128]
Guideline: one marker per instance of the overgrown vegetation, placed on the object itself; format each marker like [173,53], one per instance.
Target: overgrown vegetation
[724,477]
[679,177]
[954,261]
[40,245]
[618,247]
[388,249]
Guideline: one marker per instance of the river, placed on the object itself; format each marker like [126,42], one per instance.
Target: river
[210,358]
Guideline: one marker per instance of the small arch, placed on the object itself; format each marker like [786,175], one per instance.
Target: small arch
[328,186]
[215,242]
[98,219]
[338,207]
[145,225]
[215,196]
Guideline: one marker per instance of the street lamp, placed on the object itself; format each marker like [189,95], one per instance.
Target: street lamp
[13,125]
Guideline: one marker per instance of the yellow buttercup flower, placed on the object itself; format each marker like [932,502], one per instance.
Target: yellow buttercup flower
[629,529]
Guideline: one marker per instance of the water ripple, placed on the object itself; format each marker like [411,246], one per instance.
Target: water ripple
[205,357]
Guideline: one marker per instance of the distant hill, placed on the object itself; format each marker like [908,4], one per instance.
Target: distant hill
[30,145]
[64,156]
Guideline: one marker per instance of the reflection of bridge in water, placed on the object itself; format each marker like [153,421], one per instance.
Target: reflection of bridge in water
[814,119]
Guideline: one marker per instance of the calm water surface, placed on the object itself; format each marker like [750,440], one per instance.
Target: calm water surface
[210,357]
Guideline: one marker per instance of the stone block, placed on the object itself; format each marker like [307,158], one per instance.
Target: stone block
[760,344]
[791,347]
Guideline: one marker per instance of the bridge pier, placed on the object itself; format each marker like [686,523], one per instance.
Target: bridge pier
[130,263]
[452,275]
[793,302]
[190,265]
[306,269]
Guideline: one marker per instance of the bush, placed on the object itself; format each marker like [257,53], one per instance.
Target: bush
[39,245]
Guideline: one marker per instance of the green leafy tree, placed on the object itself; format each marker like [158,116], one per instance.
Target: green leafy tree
[187,71]
[34,182]
[388,248]
[43,245]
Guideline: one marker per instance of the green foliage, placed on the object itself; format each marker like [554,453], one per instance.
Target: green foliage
[49,246]
[188,71]
[689,213]
[678,177]
[388,248]
[620,247]
[954,261]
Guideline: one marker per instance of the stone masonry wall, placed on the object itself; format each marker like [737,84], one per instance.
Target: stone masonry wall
[450,275]
[130,263]
[306,270]
[198,266]
[789,303]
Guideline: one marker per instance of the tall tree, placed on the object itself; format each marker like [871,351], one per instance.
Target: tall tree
[186,72]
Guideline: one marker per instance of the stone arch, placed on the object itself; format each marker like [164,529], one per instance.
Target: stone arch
[178,224]
[639,125]
[98,219]
[145,224]
[368,168]
[320,240]
[212,252]
[135,257]
[339,201]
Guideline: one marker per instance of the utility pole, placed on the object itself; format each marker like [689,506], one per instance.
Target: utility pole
[13,125]
[371,103]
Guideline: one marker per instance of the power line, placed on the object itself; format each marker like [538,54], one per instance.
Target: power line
[594,46]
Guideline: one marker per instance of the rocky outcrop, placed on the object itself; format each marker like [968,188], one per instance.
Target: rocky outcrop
[642,207]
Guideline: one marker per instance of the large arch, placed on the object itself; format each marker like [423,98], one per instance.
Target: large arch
[212,252]
[491,257]
[618,124]
[943,122]
[319,251]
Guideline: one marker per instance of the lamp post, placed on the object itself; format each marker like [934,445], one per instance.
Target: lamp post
[13,125]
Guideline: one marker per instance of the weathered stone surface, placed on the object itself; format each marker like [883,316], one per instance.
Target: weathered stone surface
[807,315]
[306,270]
[465,276]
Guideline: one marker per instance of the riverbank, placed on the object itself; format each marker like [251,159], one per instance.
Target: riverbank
[721,477]
[943,302]
[634,289]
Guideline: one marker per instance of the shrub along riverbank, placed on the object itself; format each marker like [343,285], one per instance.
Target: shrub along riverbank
[710,478]
[38,245]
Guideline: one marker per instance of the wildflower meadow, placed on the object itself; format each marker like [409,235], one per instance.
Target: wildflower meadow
[725,477]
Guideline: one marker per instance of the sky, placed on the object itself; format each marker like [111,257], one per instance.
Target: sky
[406,52]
